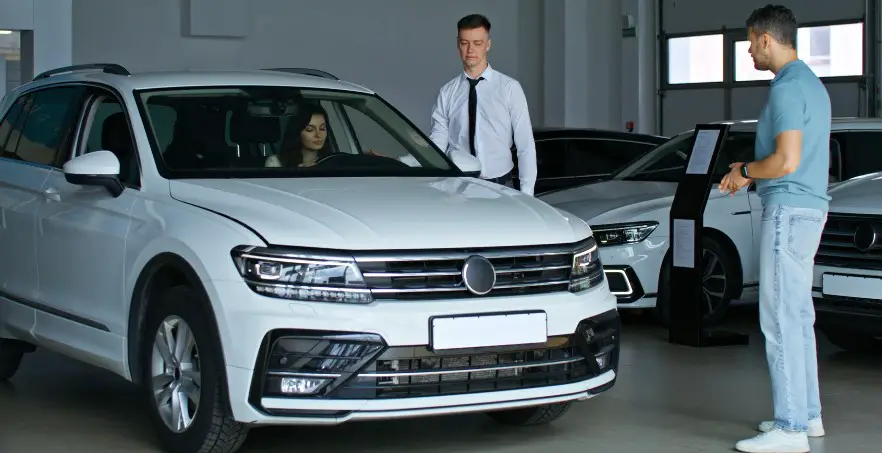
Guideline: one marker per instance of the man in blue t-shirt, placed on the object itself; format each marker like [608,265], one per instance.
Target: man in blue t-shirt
[791,173]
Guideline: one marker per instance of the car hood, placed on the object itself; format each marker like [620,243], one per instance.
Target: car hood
[858,195]
[613,201]
[383,213]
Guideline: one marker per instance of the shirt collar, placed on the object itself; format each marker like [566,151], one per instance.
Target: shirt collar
[789,67]
[487,74]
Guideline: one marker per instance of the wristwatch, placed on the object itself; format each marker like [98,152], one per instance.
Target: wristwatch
[744,171]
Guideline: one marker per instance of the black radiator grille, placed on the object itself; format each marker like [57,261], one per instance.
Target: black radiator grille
[839,246]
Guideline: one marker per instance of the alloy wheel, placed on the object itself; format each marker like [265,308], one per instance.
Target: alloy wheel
[176,374]
[714,282]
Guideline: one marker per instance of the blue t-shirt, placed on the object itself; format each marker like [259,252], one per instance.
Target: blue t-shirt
[799,101]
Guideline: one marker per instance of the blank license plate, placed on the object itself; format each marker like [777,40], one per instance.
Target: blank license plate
[852,286]
[481,331]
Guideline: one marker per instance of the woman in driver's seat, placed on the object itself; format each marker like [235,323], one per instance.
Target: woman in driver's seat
[305,141]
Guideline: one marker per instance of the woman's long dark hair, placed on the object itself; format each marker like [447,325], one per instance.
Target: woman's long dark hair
[291,154]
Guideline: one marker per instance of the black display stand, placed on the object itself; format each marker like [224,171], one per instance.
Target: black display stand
[687,222]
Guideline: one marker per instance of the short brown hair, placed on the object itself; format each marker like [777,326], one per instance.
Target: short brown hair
[473,21]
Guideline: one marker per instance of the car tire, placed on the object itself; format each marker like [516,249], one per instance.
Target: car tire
[531,416]
[195,372]
[10,359]
[853,342]
[722,279]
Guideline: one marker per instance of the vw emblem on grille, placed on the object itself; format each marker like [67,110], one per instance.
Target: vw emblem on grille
[478,275]
[865,237]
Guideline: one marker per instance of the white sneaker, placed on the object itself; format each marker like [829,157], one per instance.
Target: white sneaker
[775,441]
[815,427]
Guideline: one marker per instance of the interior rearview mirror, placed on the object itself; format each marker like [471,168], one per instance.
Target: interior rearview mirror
[98,168]
[467,163]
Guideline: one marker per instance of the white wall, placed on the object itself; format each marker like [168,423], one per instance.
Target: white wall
[403,49]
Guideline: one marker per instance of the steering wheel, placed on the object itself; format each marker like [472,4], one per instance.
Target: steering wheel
[359,159]
[327,158]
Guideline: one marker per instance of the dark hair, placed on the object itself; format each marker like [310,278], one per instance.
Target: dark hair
[777,21]
[473,21]
[291,153]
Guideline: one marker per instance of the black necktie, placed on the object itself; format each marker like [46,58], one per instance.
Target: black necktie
[473,111]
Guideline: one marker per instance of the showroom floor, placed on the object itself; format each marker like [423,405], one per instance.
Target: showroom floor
[667,399]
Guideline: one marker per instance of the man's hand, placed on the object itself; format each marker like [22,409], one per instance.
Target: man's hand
[733,181]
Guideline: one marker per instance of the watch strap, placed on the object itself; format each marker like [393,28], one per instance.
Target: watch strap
[744,171]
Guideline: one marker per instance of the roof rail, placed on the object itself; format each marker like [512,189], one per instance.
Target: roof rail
[306,71]
[109,68]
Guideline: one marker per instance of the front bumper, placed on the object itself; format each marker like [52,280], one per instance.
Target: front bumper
[633,271]
[389,339]
[855,313]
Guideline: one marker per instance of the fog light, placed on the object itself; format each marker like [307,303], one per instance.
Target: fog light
[602,359]
[301,385]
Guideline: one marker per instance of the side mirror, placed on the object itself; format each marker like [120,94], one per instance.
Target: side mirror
[99,168]
[470,165]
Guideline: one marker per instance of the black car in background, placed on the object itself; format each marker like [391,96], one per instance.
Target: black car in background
[568,157]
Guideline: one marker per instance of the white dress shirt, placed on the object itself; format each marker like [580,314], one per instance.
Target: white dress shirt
[502,118]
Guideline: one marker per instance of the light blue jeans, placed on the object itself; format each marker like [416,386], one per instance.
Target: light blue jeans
[789,240]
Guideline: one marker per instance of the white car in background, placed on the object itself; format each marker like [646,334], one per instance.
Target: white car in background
[848,266]
[630,215]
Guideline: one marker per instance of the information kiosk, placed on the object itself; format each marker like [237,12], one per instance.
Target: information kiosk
[687,223]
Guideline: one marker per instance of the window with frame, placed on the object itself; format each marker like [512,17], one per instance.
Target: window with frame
[859,152]
[829,50]
[40,134]
[248,131]
[695,59]
[107,129]
[832,50]
[10,127]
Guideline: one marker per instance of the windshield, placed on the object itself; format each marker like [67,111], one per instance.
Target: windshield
[255,132]
[667,162]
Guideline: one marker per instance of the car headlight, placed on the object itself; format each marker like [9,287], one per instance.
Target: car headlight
[301,276]
[587,271]
[625,233]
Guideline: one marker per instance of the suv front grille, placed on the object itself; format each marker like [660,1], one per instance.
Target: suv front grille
[838,247]
[361,366]
[438,275]
[404,373]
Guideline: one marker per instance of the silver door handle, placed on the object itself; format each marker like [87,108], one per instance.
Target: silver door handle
[52,194]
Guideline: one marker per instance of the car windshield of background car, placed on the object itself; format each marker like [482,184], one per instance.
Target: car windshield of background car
[243,132]
[666,163]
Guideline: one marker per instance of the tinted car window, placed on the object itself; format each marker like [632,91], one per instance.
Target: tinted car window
[550,158]
[861,152]
[600,157]
[42,129]
[667,163]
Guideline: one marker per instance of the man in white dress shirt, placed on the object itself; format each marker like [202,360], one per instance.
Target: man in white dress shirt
[482,111]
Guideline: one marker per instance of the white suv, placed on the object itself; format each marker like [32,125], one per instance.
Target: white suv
[848,266]
[145,232]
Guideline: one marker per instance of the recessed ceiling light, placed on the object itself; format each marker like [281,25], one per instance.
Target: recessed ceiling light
[5,32]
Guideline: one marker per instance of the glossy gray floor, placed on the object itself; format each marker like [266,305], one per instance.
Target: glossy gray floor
[667,399]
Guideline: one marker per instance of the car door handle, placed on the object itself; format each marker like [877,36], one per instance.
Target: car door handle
[52,194]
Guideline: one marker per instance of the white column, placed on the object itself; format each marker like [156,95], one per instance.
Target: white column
[2,76]
[647,72]
[53,34]
[582,84]
[878,69]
